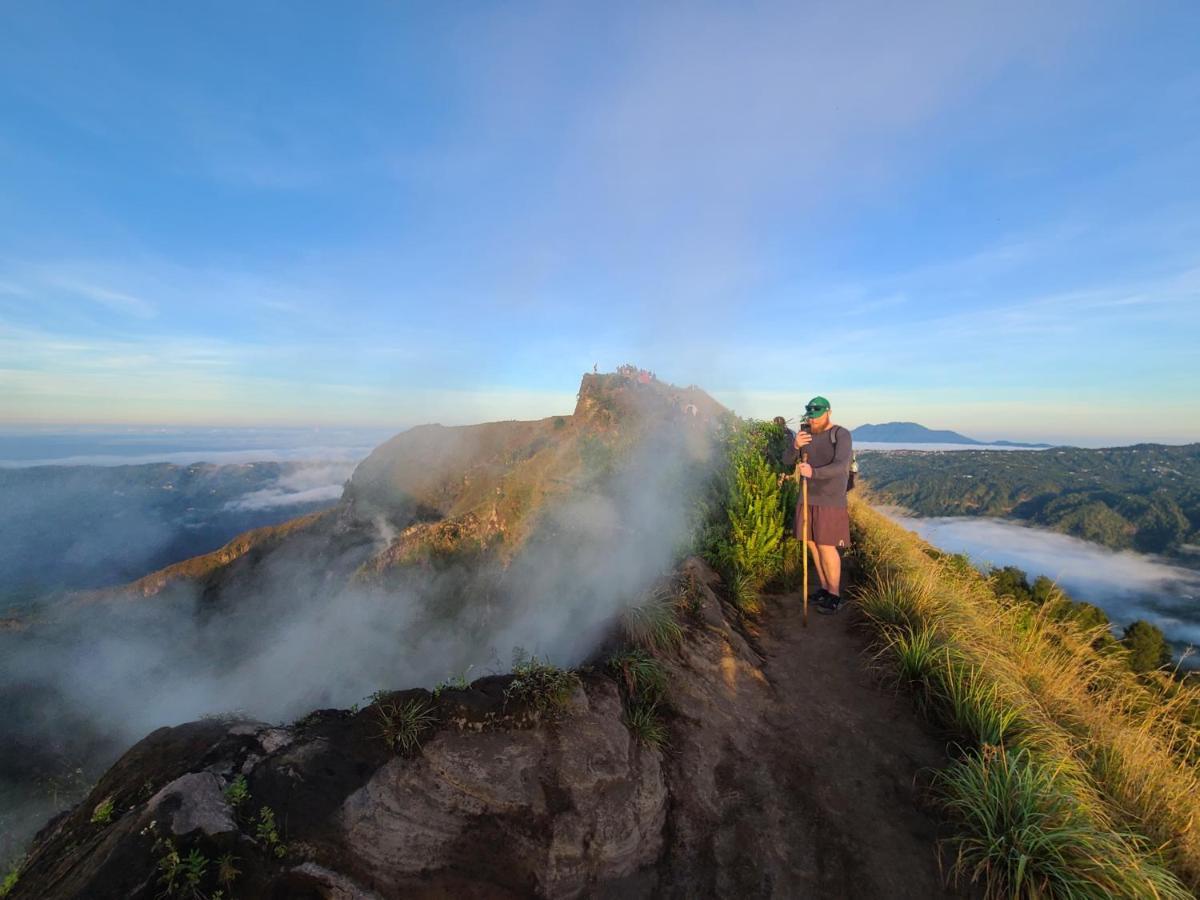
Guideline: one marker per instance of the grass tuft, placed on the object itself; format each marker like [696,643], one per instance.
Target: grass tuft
[646,725]
[642,677]
[1024,836]
[403,725]
[652,624]
[544,686]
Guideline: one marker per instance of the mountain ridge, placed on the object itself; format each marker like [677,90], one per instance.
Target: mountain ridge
[913,433]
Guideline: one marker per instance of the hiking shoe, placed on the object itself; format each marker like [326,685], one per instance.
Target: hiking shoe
[830,604]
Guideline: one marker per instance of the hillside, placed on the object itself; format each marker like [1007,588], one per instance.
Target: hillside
[443,556]
[1144,498]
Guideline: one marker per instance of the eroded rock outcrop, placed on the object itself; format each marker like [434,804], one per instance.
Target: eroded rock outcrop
[499,800]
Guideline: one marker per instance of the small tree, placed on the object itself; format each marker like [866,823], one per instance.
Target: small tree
[755,517]
[1147,646]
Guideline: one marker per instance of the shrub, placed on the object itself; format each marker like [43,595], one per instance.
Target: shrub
[102,814]
[267,833]
[973,707]
[179,875]
[227,870]
[755,517]
[1147,646]
[543,686]
[237,793]
[402,725]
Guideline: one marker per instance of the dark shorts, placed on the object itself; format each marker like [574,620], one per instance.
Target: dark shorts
[828,526]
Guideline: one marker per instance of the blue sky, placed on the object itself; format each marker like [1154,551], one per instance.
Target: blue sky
[976,216]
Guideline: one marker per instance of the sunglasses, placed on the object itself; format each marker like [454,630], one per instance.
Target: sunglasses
[815,409]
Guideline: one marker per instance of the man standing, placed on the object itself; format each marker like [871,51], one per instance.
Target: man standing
[828,472]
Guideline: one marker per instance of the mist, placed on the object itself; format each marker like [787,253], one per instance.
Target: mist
[304,628]
[80,527]
[1126,585]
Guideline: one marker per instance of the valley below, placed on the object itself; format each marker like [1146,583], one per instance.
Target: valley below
[1128,586]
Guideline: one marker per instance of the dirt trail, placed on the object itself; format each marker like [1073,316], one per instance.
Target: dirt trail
[847,753]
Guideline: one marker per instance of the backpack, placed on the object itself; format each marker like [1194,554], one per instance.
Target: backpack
[853,459]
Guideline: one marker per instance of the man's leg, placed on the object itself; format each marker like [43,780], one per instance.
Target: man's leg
[818,564]
[831,568]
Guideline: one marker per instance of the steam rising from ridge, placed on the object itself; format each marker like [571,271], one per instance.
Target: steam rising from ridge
[300,632]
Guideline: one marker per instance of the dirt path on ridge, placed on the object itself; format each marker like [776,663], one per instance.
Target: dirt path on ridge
[847,752]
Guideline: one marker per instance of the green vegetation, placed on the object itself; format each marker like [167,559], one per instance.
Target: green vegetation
[457,682]
[543,686]
[179,875]
[645,724]
[643,682]
[102,814]
[1073,776]
[652,622]
[11,878]
[237,793]
[267,833]
[403,725]
[1148,648]
[227,870]
[1143,498]
[640,675]
[1145,645]
[1027,837]
[749,548]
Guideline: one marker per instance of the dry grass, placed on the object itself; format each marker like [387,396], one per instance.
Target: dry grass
[1122,748]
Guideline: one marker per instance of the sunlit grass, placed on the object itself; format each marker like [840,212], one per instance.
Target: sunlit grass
[1122,747]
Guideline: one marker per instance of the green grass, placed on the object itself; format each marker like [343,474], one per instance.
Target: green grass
[403,725]
[917,658]
[544,686]
[1025,836]
[972,707]
[646,725]
[891,602]
[652,624]
[642,677]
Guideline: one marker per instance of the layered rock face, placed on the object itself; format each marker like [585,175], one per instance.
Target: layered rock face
[499,800]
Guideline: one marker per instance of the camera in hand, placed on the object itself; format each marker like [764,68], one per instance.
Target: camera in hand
[806,427]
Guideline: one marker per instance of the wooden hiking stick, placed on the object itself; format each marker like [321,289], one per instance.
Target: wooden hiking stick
[804,531]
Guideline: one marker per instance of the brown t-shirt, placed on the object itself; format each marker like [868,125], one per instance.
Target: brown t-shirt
[830,463]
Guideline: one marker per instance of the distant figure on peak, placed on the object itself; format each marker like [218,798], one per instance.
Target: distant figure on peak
[830,451]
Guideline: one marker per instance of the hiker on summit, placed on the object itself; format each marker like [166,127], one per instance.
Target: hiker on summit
[830,452]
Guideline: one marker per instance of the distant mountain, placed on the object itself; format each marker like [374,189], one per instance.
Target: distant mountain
[912,433]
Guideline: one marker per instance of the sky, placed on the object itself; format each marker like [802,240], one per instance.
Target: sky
[978,216]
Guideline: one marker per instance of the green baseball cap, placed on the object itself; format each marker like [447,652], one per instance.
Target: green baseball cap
[815,408]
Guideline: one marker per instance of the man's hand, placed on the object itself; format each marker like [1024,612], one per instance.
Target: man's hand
[805,470]
[803,439]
